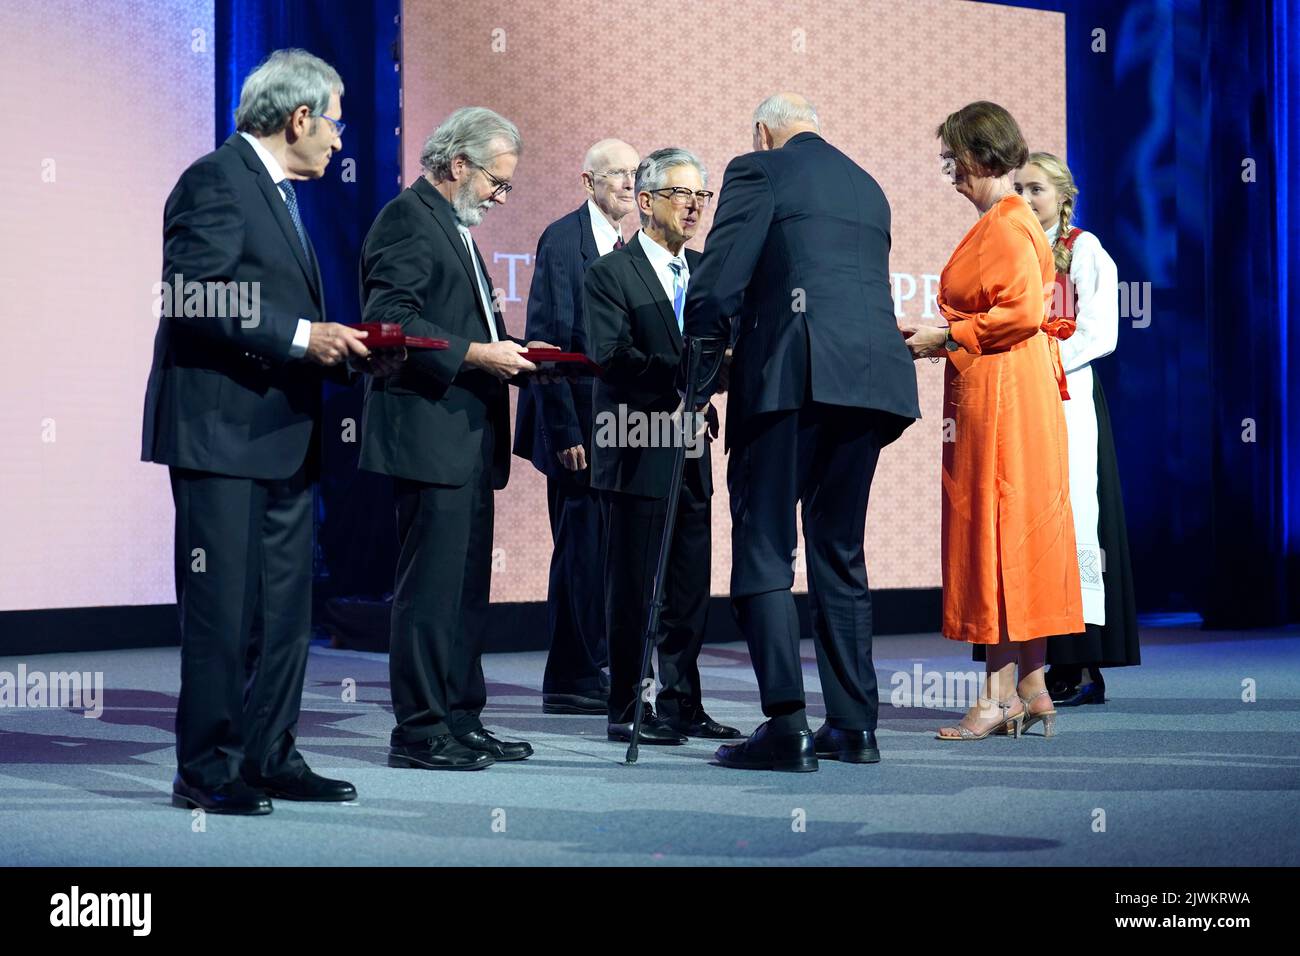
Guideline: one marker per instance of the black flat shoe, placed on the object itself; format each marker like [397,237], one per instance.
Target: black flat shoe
[700,724]
[846,746]
[1092,693]
[574,703]
[443,752]
[307,785]
[235,797]
[766,750]
[655,731]
[483,742]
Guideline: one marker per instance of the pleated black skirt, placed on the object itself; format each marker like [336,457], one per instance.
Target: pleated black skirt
[1114,644]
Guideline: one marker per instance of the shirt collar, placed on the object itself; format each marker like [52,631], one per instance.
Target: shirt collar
[601,225]
[269,161]
[659,256]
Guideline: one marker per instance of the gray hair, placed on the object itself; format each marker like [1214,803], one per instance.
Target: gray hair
[780,111]
[472,132]
[284,81]
[652,172]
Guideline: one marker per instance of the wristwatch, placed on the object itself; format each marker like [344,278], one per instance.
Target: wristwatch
[950,343]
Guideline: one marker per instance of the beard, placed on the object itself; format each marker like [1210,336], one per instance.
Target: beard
[469,210]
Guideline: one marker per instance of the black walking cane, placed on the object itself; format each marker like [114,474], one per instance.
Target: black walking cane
[674,495]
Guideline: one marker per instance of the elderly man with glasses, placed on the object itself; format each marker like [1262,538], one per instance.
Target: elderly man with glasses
[635,298]
[233,408]
[440,428]
[554,431]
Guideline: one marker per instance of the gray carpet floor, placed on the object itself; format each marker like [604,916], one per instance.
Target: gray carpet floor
[1176,769]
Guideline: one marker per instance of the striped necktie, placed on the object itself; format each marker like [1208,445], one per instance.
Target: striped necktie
[679,290]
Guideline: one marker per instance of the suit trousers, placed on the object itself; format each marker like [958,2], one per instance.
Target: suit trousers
[440,603]
[575,597]
[243,589]
[634,533]
[823,458]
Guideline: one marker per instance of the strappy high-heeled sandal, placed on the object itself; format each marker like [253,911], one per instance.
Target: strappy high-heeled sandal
[1007,723]
[1047,717]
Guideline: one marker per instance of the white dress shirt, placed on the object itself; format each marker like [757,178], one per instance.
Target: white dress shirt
[302,334]
[602,231]
[661,259]
[481,283]
[1096,302]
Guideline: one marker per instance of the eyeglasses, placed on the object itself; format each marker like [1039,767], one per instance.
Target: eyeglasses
[338,125]
[618,174]
[502,187]
[681,196]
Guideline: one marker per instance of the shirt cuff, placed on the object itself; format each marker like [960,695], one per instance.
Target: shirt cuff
[963,333]
[301,336]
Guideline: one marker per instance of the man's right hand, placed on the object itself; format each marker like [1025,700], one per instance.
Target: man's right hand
[574,459]
[498,358]
[724,372]
[331,343]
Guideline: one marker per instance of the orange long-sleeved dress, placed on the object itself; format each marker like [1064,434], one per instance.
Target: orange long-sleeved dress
[1009,562]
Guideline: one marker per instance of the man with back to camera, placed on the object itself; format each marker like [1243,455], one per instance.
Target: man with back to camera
[797,262]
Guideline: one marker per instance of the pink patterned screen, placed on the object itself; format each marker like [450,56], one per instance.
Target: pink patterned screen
[102,108]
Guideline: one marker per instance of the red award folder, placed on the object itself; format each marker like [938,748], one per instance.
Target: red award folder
[389,335]
[560,364]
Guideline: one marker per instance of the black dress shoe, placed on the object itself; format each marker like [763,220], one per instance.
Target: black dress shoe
[307,785]
[654,730]
[1090,693]
[235,797]
[700,724]
[443,752]
[846,746]
[484,742]
[767,750]
[590,702]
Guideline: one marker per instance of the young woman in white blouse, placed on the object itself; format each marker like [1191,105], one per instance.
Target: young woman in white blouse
[1086,286]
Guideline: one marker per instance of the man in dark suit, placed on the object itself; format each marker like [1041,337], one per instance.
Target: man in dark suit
[233,408]
[634,304]
[441,429]
[820,381]
[554,431]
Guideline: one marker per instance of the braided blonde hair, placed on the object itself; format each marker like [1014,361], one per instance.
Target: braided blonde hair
[1063,180]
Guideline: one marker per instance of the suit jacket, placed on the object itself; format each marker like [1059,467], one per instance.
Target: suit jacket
[557,415]
[427,423]
[223,397]
[634,335]
[798,260]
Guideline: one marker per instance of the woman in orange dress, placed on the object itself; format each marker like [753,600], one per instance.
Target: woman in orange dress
[1010,572]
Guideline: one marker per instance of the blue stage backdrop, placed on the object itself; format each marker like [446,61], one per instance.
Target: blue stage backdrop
[1180,137]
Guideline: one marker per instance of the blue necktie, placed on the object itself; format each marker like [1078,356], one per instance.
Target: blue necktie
[291,200]
[679,290]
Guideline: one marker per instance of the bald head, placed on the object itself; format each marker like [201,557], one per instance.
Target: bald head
[781,116]
[609,176]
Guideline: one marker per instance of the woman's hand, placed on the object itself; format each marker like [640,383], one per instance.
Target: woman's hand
[925,341]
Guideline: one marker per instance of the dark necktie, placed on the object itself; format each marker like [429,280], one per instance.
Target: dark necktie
[619,243]
[291,201]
